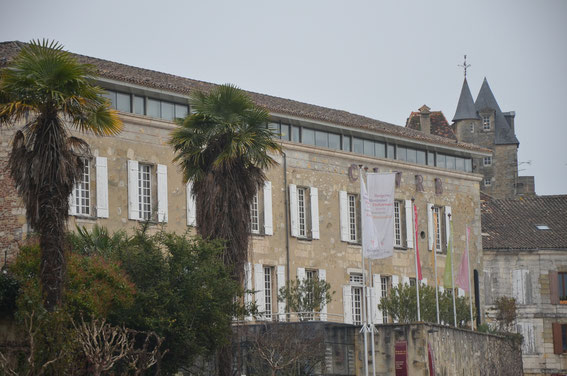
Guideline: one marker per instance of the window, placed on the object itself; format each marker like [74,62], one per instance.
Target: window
[295,134]
[145,191]
[412,282]
[346,143]
[254,217]
[302,220]
[352,217]
[310,276]
[385,284]
[356,282]
[82,190]
[268,292]
[284,132]
[487,161]
[486,122]
[562,278]
[438,234]
[559,338]
[357,145]
[487,182]
[137,104]
[322,139]
[472,127]
[308,136]
[397,224]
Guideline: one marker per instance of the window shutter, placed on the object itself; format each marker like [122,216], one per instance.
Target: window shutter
[248,287]
[259,289]
[460,292]
[409,225]
[301,274]
[133,198]
[527,283]
[447,225]
[323,277]
[395,281]
[314,212]
[405,280]
[101,187]
[280,271]
[377,315]
[557,340]
[162,192]
[430,224]
[72,203]
[518,287]
[347,304]
[424,281]
[526,329]
[191,207]
[343,211]
[293,210]
[553,287]
[268,220]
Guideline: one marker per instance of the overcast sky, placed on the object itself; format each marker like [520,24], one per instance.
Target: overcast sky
[382,59]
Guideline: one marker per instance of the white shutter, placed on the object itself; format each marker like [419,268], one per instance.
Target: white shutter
[526,282]
[378,317]
[191,206]
[526,329]
[344,219]
[101,187]
[293,210]
[460,292]
[248,287]
[430,225]
[162,192]
[323,277]
[448,225]
[280,275]
[268,220]
[133,197]
[72,203]
[405,280]
[314,212]
[259,289]
[347,304]
[441,289]
[424,281]
[301,274]
[395,281]
[409,225]
[518,286]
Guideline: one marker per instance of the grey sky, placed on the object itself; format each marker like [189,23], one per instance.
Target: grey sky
[382,59]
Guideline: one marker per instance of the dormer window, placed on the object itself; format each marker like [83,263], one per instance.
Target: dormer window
[486,122]
[487,161]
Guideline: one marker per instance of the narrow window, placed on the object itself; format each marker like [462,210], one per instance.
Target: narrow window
[356,282]
[301,211]
[487,182]
[412,282]
[254,218]
[352,217]
[564,337]
[437,214]
[145,191]
[397,224]
[486,123]
[268,291]
[82,190]
[472,127]
[487,161]
[310,276]
[562,279]
[385,284]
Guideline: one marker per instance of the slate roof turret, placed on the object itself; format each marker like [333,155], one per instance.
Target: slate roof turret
[503,132]
[466,109]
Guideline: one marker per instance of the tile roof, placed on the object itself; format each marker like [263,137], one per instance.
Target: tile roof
[465,108]
[511,223]
[163,81]
[439,124]
[504,134]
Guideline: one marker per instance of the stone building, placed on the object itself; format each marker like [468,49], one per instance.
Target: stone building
[482,123]
[305,220]
[525,248]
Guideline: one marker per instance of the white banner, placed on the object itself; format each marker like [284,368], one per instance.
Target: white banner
[378,215]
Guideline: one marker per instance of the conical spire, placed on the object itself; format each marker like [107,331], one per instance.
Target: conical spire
[485,99]
[465,108]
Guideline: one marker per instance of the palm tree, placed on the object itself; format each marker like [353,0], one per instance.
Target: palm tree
[46,91]
[223,148]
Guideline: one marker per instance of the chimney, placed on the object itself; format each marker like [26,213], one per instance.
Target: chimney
[510,119]
[424,119]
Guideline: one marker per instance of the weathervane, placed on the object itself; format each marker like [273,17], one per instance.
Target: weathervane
[465,66]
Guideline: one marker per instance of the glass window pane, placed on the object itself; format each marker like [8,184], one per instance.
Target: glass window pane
[451,162]
[430,158]
[401,153]
[275,128]
[285,131]
[346,143]
[411,155]
[154,109]
[295,132]
[167,111]
[460,164]
[380,149]
[321,138]
[441,161]
[357,145]
[421,157]
[308,136]
[368,147]
[123,102]
[334,141]
[111,96]
[391,154]
[139,105]
[181,111]
[468,165]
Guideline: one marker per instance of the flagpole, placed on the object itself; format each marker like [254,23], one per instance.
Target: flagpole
[371,317]
[363,282]
[416,266]
[453,279]
[435,219]
[469,271]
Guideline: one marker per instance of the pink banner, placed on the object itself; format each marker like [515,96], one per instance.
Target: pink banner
[463,276]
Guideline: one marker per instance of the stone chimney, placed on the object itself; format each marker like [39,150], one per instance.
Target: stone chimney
[424,119]
[510,118]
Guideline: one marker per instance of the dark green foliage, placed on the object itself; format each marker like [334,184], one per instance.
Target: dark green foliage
[306,297]
[401,305]
[9,289]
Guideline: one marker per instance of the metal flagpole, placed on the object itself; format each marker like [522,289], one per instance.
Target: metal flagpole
[363,297]
[469,271]
[435,219]
[372,307]
[452,278]
[416,267]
